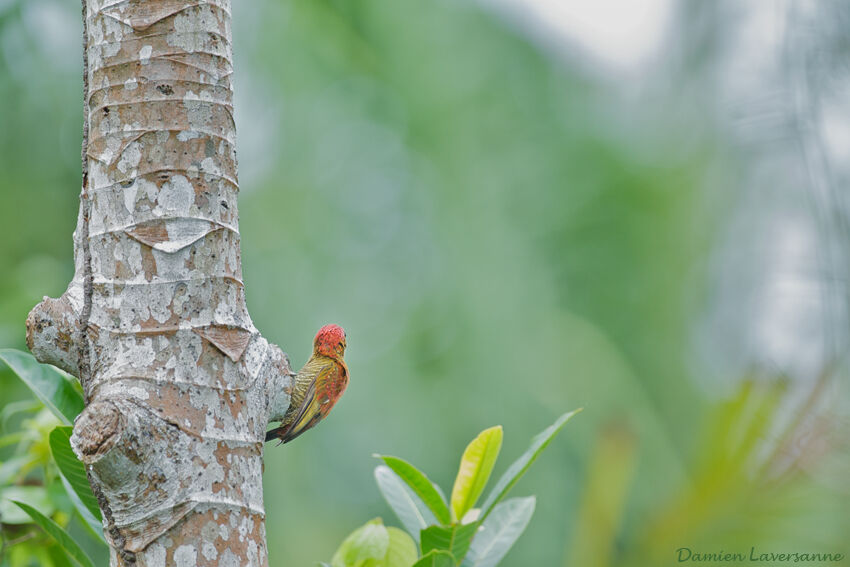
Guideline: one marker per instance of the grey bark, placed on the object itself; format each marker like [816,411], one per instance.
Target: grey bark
[179,384]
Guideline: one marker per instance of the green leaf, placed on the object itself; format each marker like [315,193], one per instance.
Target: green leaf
[369,541]
[72,469]
[413,514]
[518,467]
[35,496]
[57,533]
[401,551]
[92,524]
[436,558]
[476,464]
[499,532]
[49,384]
[455,539]
[421,486]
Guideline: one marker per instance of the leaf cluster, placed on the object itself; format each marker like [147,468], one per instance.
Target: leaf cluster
[453,532]
[61,493]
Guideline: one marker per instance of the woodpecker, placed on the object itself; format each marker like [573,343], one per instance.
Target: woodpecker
[318,385]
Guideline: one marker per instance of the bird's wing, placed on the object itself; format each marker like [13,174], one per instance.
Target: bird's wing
[309,414]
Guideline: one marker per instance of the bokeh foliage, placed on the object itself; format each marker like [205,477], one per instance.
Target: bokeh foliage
[502,232]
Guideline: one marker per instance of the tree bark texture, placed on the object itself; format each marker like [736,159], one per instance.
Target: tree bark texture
[179,384]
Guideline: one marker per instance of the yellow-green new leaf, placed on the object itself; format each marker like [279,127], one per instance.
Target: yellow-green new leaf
[475,468]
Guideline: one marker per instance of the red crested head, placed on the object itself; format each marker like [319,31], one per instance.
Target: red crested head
[330,341]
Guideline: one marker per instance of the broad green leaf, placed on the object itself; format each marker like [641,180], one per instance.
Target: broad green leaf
[401,551]
[57,533]
[436,558]
[49,384]
[413,514]
[369,541]
[72,469]
[35,496]
[476,464]
[455,539]
[421,486]
[499,532]
[518,467]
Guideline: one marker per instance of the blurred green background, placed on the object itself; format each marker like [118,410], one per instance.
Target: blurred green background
[508,228]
